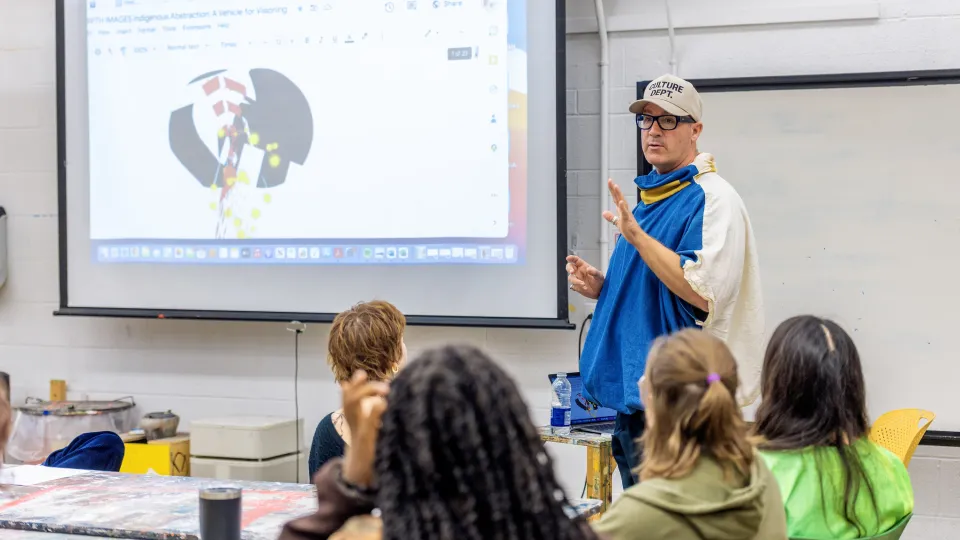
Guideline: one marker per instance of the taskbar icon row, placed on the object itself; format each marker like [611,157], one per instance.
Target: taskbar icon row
[310,254]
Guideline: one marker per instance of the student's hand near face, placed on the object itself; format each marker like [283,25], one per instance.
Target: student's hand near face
[363,405]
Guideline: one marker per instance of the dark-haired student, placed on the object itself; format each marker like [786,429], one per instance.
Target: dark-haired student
[812,430]
[454,456]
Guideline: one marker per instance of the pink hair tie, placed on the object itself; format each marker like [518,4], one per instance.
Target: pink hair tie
[713,377]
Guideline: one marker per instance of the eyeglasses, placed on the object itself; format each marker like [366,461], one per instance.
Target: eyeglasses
[667,122]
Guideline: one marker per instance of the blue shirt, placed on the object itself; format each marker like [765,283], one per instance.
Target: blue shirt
[635,307]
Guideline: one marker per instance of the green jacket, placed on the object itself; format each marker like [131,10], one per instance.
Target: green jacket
[814,508]
[702,505]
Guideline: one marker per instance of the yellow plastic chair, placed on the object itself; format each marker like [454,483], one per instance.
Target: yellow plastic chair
[900,431]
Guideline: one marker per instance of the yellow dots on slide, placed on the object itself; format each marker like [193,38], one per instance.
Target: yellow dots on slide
[241,235]
[222,133]
[237,222]
[255,213]
[244,178]
[213,187]
[231,181]
[267,198]
[228,213]
[274,161]
[272,147]
[254,139]
[253,230]
[213,206]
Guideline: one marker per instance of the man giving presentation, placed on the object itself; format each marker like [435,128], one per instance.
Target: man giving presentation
[686,257]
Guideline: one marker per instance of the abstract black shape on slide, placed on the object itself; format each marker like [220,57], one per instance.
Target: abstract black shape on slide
[277,120]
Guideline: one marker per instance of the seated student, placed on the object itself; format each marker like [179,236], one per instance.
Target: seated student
[368,337]
[699,476]
[812,427]
[453,456]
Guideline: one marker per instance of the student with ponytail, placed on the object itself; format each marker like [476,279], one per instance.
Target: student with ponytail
[700,477]
[812,430]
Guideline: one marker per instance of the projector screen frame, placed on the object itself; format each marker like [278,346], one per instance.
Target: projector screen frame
[561,321]
[810,82]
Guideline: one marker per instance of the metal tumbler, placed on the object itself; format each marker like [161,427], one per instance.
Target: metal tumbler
[220,511]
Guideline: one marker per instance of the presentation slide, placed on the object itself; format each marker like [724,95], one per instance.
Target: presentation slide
[268,159]
[328,132]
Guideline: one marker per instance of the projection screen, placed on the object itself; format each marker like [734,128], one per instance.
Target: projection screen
[281,160]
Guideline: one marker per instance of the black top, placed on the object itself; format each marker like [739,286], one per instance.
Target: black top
[327,444]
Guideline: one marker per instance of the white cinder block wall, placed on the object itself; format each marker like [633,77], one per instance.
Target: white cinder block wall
[202,369]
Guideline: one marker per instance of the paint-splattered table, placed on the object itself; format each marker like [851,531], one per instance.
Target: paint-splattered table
[109,505]
[9,534]
[144,507]
[600,464]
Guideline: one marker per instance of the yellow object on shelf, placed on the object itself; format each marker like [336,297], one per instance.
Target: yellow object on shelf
[58,390]
[166,457]
[900,431]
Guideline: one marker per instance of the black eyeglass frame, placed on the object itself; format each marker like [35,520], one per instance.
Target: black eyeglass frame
[680,120]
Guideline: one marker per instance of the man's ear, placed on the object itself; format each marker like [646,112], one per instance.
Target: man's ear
[697,130]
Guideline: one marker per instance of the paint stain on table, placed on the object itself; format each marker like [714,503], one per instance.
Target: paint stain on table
[146,507]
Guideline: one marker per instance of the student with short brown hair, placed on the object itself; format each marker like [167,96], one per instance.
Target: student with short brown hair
[700,476]
[367,337]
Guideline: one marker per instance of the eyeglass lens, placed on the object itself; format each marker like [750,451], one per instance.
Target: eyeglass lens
[667,122]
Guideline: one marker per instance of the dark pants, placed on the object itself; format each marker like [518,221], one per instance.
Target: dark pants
[627,429]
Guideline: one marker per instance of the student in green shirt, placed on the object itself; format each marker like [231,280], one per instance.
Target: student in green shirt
[812,432]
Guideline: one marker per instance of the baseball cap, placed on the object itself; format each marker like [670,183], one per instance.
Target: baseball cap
[672,94]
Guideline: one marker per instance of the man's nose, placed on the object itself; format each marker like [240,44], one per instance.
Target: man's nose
[655,128]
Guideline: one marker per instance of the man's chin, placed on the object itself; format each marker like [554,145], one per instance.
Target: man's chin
[655,157]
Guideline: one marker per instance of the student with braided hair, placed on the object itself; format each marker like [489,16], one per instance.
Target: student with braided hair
[454,456]
[700,475]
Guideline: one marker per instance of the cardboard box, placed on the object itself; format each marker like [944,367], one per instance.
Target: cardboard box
[166,457]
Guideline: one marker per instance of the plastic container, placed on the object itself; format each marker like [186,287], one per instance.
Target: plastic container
[245,437]
[281,469]
[42,427]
